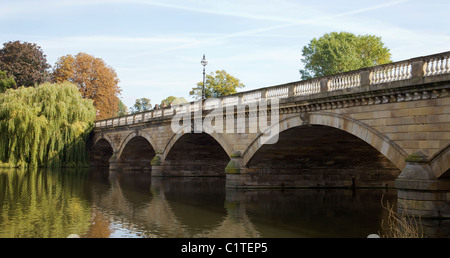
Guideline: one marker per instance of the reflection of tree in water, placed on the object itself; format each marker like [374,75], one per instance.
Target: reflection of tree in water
[42,203]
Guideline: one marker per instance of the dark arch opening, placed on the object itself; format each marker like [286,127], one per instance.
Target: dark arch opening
[196,154]
[137,155]
[101,153]
[314,156]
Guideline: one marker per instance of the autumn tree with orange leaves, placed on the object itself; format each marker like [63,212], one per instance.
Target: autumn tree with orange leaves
[94,78]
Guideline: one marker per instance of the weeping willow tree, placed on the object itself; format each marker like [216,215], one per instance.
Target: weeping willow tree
[45,126]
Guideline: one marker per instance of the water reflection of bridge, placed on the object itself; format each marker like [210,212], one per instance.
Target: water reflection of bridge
[152,215]
[190,207]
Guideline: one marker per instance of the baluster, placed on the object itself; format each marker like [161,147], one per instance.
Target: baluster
[437,68]
[399,72]
[396,73]
[432,67]
[441,66]
[406,71]
[391,73]
[403,73]
[374,74]
[447,65]
[379,73]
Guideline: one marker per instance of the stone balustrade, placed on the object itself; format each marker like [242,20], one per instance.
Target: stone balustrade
[427,66]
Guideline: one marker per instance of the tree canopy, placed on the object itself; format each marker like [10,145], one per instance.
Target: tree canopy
[341,52]
[122,109]
[6,82]
[141,105]
[172,100]
[94,78]
[217,84]
[25,62]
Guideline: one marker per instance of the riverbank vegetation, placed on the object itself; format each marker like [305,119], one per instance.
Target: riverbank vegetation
[45,126]
[399,224]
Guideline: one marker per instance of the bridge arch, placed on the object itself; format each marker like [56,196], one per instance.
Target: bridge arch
[187,130]
[195,154]
[132,135]
[101,151]
[440,164]
[136,152]
[362,131]
[105,137]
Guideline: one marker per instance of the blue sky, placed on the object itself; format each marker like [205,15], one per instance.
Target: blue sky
[155,46]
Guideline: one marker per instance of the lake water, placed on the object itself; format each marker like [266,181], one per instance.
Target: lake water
[97,204]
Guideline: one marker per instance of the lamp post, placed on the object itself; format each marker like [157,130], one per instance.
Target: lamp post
[204,63]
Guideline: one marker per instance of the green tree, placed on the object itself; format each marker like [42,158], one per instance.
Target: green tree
[216,85]
[141,105]
[123,111]
[25,61]
[171,100]
[6,82]
[45,126]
[341,52]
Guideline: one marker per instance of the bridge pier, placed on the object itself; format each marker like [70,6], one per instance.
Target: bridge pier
[114,163]
[420,193]
[157,164]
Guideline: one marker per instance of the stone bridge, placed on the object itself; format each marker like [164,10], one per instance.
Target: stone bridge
[383,126]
